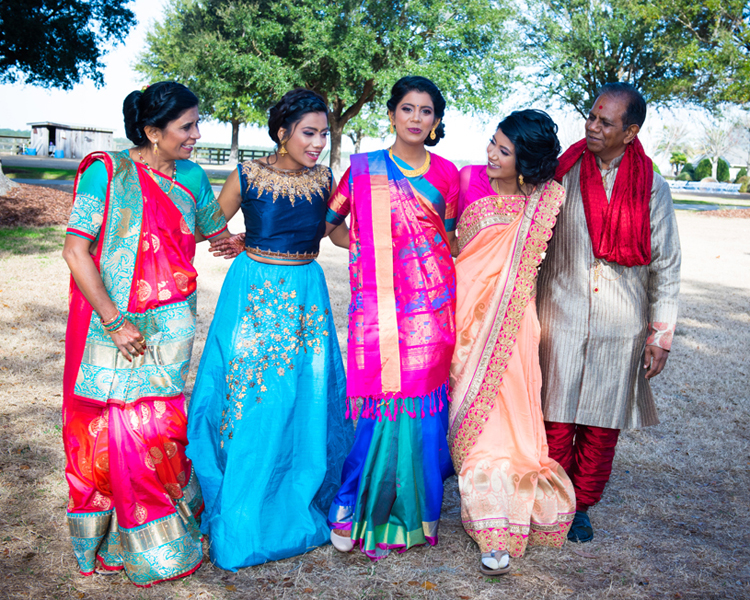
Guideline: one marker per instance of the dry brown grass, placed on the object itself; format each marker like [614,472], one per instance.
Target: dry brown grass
[674,522]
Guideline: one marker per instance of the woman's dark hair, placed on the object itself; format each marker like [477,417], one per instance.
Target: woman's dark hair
[415,83]
[289,111]
[157,105]
[534,134]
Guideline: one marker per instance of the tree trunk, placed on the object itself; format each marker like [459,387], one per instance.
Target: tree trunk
[234,152]
[336,129]
[5,183]
[358,144]
[715,168]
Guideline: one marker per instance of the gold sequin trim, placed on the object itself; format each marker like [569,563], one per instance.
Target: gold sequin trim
[282,255]
[493,210]
[536,230]
[293,185]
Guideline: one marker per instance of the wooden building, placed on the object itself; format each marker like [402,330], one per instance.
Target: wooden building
[70,141]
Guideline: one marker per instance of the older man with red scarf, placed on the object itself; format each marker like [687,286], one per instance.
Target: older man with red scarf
[607,296]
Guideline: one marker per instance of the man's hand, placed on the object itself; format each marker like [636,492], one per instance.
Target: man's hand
[656,358]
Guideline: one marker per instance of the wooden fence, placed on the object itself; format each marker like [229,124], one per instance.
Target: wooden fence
[220,156]
[13,144]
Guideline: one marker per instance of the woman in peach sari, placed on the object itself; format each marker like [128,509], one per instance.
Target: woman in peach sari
[512,493]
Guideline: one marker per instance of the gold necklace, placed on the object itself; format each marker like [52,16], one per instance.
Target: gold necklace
[412,172]
[153,175]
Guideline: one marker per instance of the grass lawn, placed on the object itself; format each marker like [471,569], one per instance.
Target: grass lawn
[38,173]
[31,240]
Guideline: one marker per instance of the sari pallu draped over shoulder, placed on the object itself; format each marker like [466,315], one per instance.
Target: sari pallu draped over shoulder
[512,493]
[474,390]
[402,334]
[133,495]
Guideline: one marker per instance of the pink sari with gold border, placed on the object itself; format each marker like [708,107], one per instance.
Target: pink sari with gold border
[512,493]
[133,495]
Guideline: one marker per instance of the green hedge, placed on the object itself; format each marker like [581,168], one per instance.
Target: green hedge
[703,170]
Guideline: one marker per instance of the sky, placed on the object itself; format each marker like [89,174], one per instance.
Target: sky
[466,136]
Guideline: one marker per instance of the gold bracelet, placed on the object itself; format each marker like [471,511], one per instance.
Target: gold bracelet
[119,328]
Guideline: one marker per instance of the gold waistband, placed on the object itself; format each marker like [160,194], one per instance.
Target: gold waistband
[298,256]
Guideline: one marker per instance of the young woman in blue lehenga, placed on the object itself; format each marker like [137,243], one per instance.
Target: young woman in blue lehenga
[266,426]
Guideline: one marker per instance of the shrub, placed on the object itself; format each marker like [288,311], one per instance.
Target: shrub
[722,171]
[741,173]
[689,171]
[743,180]
[703,170]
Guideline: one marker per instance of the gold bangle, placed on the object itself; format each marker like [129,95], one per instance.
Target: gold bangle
[119,328]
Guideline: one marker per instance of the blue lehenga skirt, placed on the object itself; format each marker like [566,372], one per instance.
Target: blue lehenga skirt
[266,427]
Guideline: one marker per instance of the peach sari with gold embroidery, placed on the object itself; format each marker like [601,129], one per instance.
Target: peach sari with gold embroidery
[512,493]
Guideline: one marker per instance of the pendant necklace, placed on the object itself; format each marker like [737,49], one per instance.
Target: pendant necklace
[153,175]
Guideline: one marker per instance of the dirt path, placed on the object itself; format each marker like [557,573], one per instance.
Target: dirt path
[674,523]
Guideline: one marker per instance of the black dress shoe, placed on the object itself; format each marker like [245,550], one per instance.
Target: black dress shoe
[581,530]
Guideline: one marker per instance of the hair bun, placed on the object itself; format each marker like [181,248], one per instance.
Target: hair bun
[293,105]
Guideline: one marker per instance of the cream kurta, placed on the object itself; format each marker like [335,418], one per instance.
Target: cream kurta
[595,315]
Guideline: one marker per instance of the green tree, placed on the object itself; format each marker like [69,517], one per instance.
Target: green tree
[677,160]
[676,51]
[250,52]
[58,43]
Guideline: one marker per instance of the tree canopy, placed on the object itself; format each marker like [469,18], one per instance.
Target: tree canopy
[58,43]
[684,50]
[240,56]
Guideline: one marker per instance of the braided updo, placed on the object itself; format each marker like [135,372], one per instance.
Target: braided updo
[289,111]
[156,106]
[534,134]
[416,83]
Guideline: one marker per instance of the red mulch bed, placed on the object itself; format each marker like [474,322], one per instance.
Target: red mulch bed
[733,213]
[34,206]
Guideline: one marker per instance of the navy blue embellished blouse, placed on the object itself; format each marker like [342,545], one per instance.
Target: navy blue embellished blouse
[284,210]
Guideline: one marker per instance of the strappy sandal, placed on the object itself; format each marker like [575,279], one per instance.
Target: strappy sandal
[494,563]
[581,530]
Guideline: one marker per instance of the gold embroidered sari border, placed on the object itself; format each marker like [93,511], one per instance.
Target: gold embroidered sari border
[535,231]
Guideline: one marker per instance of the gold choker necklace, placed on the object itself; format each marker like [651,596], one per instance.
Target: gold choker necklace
[412,172]
[153,176]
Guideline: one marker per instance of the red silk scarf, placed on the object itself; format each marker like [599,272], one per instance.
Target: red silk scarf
[620,229]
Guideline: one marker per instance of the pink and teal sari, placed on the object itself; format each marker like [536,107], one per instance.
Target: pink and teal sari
[133,495]
[400,342]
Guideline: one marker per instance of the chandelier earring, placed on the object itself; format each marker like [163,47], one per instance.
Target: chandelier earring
[432,133]
[282,150]
[520,180]
[391,120]
[156,148]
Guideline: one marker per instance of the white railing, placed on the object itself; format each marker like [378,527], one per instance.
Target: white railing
[704,186]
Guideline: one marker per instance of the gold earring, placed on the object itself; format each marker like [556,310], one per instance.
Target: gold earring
[156,147]
[432,133]
[520,180]
[283,151]
[391,120]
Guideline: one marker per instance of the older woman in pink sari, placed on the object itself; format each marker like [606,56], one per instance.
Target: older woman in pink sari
[512,493]
[130,243]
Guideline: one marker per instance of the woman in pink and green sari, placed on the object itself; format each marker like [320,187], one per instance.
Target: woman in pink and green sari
[130,243]
[512,493]
[402,203]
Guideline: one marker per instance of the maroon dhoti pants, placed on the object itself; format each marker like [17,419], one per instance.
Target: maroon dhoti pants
[586,453]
